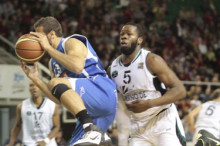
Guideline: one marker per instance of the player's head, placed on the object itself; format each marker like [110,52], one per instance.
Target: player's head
[215,94]
[34,90]
[49,26]
[131,38]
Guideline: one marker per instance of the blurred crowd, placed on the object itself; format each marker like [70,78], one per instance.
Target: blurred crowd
[190,43]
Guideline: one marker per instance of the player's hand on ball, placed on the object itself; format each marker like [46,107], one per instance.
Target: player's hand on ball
[31,72]
[138,106]
[42,39]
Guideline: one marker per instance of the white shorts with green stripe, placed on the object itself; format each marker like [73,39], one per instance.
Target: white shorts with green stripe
[165,129]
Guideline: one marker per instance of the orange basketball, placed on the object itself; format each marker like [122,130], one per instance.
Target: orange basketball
[28,49]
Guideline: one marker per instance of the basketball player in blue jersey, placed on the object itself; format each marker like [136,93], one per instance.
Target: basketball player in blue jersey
[142,79]
[79,82]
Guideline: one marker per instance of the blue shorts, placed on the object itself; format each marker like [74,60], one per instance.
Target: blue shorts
[100,98]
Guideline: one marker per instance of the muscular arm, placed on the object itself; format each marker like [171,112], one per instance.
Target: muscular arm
[43,87]
[32,73]
[56,127]
[176,90]
[56,124]
[17,128]
[191,118]
[74,59]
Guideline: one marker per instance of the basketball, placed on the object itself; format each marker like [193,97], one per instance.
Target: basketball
[27,49]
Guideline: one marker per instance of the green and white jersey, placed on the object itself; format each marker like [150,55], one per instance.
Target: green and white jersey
[135,82]
[209,118]
[37,122]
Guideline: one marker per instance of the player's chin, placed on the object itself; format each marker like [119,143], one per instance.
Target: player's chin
[34,96]
[124,49]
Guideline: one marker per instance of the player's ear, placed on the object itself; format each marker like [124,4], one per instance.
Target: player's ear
[140,40]
[52,33]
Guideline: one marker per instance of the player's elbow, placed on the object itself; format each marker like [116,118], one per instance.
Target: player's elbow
[57,128]
[182,92]
[78,68]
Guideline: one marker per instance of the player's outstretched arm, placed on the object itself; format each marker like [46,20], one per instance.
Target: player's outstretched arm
[73,59]
[17,128]
[32,73]
[56,123]
[190,118]
[157,66]
[176,90]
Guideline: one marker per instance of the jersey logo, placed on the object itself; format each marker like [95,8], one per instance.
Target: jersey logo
[114,74]
[28,113]
[57,70]
[82,91]
[124,89]
[140,65]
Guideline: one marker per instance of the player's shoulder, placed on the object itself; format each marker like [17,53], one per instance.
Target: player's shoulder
[153,58]
[116,61]
[75,38]
[26,101]
[19,106]
[49,102]
[212,102]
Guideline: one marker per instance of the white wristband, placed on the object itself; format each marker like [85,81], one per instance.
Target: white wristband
[47,140]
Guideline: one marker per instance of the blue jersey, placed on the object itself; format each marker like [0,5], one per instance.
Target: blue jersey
[93,65]
[97,91]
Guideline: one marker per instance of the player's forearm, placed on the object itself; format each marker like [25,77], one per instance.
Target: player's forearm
[191,125]
[172,95]
[72,63]
[44,88]
[14,134]
[54,132]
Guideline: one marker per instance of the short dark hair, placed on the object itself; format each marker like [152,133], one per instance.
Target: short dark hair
[49,23]
[138,26]
[215,94]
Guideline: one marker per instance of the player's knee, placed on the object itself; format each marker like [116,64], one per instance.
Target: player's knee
[57,88]
[53,82]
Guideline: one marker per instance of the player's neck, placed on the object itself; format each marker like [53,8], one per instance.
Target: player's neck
[126,59]
[37,101]
[56,42]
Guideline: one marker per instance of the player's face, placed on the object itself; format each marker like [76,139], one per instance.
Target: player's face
[34,90]
[128,39]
